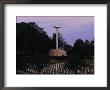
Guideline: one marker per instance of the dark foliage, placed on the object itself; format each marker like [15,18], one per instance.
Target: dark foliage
[61,41]
[82,53]
[32,43]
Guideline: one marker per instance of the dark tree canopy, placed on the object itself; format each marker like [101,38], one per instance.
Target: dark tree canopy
[32,41]
[30,37]
[80,51]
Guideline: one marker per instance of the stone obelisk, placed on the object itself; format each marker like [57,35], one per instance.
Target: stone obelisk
[57,28]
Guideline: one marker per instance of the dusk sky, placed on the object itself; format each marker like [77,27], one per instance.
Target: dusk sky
[72,27]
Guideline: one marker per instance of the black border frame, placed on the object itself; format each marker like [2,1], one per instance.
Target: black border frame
[2,49]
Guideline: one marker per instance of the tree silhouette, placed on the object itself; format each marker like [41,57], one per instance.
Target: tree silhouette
[61,41]
[32,43]
[81,53]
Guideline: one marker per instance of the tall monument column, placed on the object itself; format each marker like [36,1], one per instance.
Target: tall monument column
[56,27]
[57,52]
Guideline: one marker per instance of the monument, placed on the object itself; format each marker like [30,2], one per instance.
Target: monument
[58,60]
[57,52]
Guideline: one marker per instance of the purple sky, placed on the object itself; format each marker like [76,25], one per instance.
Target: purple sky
[72,27]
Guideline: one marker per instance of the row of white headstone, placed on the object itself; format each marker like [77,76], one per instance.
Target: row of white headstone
[58,68]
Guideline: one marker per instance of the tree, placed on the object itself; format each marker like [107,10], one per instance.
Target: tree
[68,48]
[83,49]
[32,43]
[78,48]
[61,41]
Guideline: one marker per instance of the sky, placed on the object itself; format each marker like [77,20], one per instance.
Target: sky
[72,27]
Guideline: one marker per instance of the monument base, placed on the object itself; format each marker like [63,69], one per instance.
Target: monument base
[57,52]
